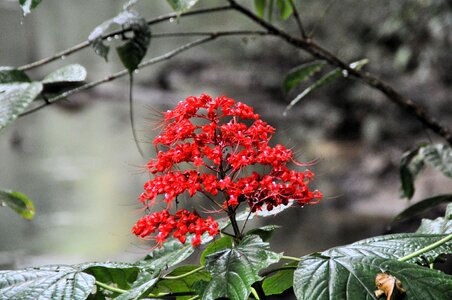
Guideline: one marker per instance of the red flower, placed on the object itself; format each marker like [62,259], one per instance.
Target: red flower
[206,148]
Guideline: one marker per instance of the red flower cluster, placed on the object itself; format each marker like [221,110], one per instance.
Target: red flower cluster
[207,147]
[182,223]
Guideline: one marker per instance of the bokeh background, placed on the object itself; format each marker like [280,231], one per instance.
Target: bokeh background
[78,162]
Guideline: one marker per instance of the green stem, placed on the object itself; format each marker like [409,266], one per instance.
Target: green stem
[194,298]
[426,249]
[253,291]
[110,288]
[291,258]
[184,275]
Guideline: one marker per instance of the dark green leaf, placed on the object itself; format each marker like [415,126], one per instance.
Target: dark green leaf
[10,75]
[220,244]
[284,8]
[439,225]
[392,246]
[235,270]
[438,156]
[134,50]
[15,98]
[52,282]
[300,74]
[322,278]
[121,275]
[411,164]
[264,232]
[144,283]
[184,284]
[28,5]
[181,6]
[279,281]
[423,205]
[18,202]
[171,253]
[329,77]
[260,5]
[70,73]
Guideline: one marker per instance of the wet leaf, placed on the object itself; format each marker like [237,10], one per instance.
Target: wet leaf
[280,281]
[19,203]
[423,205]
[10,75]
[28,5]
[225,242]
[181,6]
[70,73]
[300,74]
[389,286]
[439,225]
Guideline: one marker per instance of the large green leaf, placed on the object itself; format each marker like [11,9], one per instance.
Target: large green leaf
[329,278]
[183,284]
[171,253]
[119,274]
[15,98]
[70,73]
[52,282]
[18,202]
[9,75]
[235,270]
[439,225]
[220,244]
[181,6]
[133,51]
[324,80]
[280,281]
[392,246]
[438,156]
[300,74]
[423,205]
[28,5]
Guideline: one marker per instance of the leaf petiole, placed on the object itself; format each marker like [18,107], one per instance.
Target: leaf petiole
[183,275]
[426,249]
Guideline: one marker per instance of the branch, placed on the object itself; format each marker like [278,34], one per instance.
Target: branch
[298,19]
[210,36]
[315,50]
[86,43]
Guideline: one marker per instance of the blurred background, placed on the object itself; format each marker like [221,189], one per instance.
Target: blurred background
[78,162]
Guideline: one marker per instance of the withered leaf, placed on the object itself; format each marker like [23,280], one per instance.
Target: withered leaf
[389,286]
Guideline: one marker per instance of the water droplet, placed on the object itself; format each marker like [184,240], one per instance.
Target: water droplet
[21,21]
[136,71]
[345,73]
[3,203]
[116,37]
[171,20]
[109,39]
[63,57]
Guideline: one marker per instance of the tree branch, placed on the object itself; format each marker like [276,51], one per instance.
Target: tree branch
[298,19]
[315,50]
[86,43]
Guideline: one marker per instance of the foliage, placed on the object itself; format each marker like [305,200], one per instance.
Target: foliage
[210,147]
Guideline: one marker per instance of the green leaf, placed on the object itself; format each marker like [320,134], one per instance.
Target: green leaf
[439,225]
[411,165]
[10,75]
[144,283]
[280,281]
[260,5]
[438,156]
[121,275]
[235,270]
[264,232]
[133,52]
[28,5]
[392,246]
[70,73]
[184,284]
[321,278]
[15,98]
[300,74]
[324,80]
[181,6]
[284,8]
[220,244]
[171,253]
[18,202]
[423,205]
[52,282]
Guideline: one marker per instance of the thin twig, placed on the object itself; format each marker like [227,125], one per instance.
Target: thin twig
[315,50]
[298,19]
[86,43]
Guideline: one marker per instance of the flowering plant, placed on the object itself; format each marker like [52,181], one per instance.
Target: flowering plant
[206,148]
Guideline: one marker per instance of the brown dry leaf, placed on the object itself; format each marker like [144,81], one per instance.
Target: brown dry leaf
[390,286]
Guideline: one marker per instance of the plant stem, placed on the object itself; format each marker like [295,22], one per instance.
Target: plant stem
[257,287]
[184,275]
[110,288]
[298,19]
[426,249]
[253,291]
[290,258]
